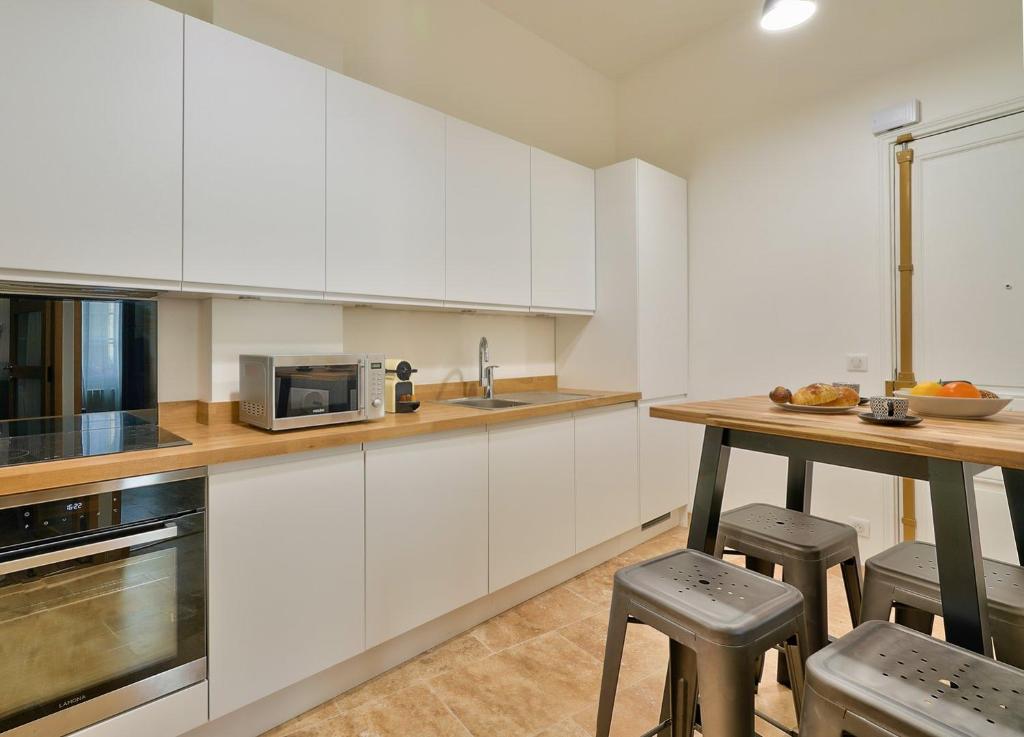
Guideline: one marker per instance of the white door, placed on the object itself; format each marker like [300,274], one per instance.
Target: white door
[385,195]
[968,188]
[531,498]
[607,474]
[562,220]
[286,572]
[90,119]
[664,462]
[487,205]
[662,278]
[426,530]
[254,166]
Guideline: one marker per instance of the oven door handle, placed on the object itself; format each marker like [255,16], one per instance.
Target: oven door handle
[62,556]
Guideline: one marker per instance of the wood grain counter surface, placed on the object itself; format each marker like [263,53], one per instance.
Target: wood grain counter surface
[995,441]
[229,442]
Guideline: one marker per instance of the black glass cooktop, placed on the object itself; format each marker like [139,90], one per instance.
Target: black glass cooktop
[81,436]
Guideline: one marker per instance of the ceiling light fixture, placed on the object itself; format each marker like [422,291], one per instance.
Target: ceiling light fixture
[780,15]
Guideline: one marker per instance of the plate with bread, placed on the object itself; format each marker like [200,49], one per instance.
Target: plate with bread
[819,399]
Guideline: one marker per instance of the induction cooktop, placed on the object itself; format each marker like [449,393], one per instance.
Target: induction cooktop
[81,436]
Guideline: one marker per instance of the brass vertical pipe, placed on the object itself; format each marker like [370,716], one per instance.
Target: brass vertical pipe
[905,268]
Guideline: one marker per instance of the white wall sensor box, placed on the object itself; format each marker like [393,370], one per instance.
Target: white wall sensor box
[897,116]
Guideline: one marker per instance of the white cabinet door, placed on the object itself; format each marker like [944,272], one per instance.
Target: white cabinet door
[607,484]
[254,165]
[562,221]
[487,205]
[531,492]
[664,462]
[286,572]
[662,279]
[426,530]
[385,194]
[90,119]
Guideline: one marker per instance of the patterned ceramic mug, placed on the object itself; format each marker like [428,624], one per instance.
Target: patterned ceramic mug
[889,408]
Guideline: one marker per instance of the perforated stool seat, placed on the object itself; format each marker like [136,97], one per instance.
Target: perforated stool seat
[907,576]
[885,679]
[719,619]
[806,547]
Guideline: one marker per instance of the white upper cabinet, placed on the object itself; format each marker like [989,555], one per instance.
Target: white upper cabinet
[385,195]
[90,119]
[254,166]
[637,340]
[487,205]
[562,221]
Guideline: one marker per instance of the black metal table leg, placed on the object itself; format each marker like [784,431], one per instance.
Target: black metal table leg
[799,478]
[958,552]
[1013,480]
[707,501]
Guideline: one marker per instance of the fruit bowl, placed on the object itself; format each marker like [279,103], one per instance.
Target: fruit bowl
[961,407]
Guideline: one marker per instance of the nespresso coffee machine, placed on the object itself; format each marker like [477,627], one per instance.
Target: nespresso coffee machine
[399,389]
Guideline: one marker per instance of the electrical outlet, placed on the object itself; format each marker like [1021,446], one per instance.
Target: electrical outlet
[857,362]
[862,526]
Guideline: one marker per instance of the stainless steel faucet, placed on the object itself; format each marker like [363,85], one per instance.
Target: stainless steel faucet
[486,372]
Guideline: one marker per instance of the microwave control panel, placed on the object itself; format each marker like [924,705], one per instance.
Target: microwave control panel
[374,386]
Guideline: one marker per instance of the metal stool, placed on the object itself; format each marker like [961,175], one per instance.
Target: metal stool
[906,576]
[719,619]
[806,547]
[884,680]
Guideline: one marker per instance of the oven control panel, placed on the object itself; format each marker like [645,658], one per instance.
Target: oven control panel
[374,386]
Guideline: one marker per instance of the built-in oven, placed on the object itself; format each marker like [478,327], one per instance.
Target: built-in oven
[102,599]
[287,392]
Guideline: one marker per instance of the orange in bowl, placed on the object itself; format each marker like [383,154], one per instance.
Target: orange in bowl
[960,390]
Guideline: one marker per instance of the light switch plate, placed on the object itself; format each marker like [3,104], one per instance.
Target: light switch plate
[857,362]
[862,526]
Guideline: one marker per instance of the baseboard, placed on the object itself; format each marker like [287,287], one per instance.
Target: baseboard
[267,713]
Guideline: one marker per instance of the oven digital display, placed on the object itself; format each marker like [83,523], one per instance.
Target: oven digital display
[377,365]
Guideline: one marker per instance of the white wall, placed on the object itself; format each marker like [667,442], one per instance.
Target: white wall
[444,346]
[787,270]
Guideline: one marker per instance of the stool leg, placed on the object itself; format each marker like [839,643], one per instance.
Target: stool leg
[820,717]
[915,619]
[878,597]
[617,621]
[796,657]
[727,707]
[811,580]
[765,568]
[1009,642]
[854,590]
[683,674]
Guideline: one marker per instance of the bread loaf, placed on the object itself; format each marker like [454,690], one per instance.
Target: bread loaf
[816,395]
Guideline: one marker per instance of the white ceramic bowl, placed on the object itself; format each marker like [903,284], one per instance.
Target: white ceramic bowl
[953,406]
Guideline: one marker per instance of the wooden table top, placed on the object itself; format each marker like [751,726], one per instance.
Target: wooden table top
[996,441]
[229,442]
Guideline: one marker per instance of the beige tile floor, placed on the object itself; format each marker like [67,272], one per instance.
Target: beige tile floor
[533,671]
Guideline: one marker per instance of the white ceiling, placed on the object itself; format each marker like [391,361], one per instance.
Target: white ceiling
[617,36]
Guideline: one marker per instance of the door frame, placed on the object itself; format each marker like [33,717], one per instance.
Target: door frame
[888,193]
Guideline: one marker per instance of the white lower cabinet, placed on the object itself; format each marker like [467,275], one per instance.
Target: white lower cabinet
[426,530]
[607,474]
[664,462]
[286,572]
[531,498]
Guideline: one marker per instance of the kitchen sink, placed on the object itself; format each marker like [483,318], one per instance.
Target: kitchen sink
[482,403]
[541,397]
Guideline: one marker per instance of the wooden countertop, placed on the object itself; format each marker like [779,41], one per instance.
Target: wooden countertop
[227,442]
[996,441]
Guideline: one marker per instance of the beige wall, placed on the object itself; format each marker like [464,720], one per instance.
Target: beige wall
[786,203]
[458,56]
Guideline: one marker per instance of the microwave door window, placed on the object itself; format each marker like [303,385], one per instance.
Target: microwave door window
[315,390]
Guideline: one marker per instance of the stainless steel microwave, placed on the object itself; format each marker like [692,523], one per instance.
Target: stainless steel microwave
[287,392]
